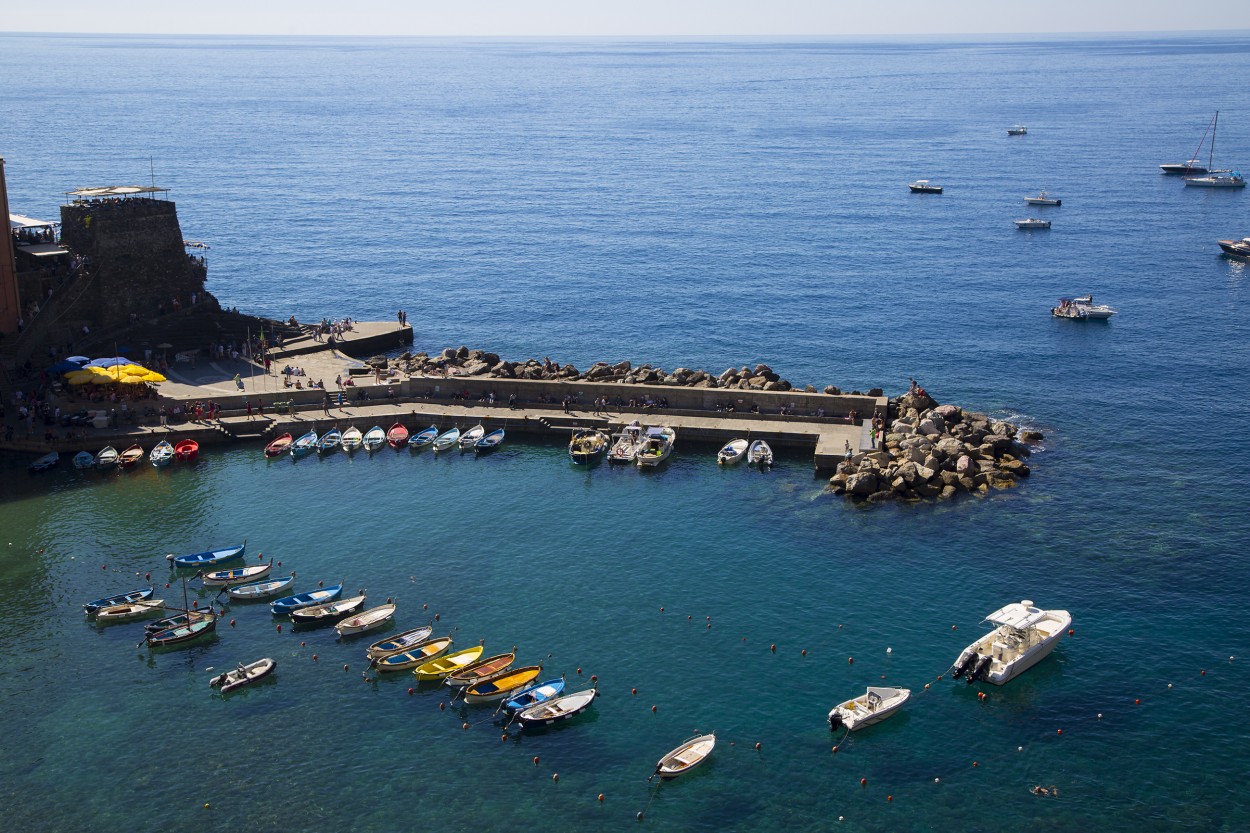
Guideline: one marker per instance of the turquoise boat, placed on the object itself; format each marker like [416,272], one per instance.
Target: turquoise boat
[305,445]
[284,606]
[422,438]
[534,695]
[206,559]
[182,633]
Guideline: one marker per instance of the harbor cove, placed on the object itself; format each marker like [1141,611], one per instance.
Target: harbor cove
[915,533]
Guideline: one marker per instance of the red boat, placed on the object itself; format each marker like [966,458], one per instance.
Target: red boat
[279,446]
[187,451]
[130,456]
[397,436]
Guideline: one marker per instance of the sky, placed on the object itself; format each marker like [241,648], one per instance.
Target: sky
[601,18]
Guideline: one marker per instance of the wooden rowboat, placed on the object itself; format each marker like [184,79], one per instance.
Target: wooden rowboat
[399,642]
[351,439]
[685,757]
[469,438]
[91,608]
[490,442]
[533,695]
[162,454]
[264,589]
[414,656]
[374,438]
[239,575]
[128,612]
[329,441]
[447,439]
[278,446]
[302,600]
[372,618]
[243,675]
[587,446]
[324,614]
[436,669]
[106,458]
[209,558]
[187,450]
[557,709]
[502,686]
[733,451]
[305,445]
[397,436]
[479,671]
[423,438]
[182,633]
[130,457]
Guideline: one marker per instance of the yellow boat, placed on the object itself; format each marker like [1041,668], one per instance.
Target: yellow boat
[502,685]
[436,669]
[414,656]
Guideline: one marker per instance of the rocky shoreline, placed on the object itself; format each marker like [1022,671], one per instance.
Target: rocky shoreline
[936,451]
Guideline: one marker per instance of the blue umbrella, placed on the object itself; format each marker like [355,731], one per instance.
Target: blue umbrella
[116,360]
[64,366]
[78,360]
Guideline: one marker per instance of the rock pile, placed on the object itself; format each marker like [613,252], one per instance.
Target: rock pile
[936,451]
[465,362]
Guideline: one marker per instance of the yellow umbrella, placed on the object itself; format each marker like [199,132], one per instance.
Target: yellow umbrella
[102,380]
[85,379]
[153,376]
[132,380]
[134,369]
[78,374]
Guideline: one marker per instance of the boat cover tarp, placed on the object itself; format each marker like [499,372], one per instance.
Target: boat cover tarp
[1017,616]
[41,249]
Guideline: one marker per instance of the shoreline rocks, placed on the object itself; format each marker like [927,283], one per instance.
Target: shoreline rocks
[935,451]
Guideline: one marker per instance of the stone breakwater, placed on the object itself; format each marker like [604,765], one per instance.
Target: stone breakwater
[936,451]
[465,362]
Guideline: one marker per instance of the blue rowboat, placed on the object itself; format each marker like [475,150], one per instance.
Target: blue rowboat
[534,695]
[284,606]
[120,599]
[207,559]
[489,442]
[422,438]
[304,445]
[182,633]
[264,589]
[330,441]
[47,461]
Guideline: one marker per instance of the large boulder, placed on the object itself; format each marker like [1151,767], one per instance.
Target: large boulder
[949,446]
[833,390]
[862,484]
[475,368]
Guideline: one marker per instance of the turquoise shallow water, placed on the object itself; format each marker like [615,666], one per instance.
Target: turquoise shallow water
[523,197]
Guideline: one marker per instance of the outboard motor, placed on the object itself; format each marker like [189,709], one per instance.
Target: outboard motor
[981,670]
[835,720]
[962,667]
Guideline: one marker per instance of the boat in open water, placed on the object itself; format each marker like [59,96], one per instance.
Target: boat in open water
[207,559]
[557,709]
[1213,178]
[183,633]
[924,186]
[871,707]
[1024,636]
[1082,309]
[129,611]
[265,588]
[301,600]
[533,695]
[685,757]
[1042,199]
[476,672]
[1032,223]
[243,675]
[1236,248]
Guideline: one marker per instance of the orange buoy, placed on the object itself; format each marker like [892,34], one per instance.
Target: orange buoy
[594,678]
[279,628]
[653,708]
[232,623]
[889,798]
[1137,702]
[633,691]
[302,644]
[504,736]
[835,750]
[1071,631]
[411,691]
[863,782]
[104,566]
[195,603]
[1059,731]
[314,657]
[601,796]
[975,763]
[689,618]
[757,746]
[1204,672]
[926,686]
[535,760]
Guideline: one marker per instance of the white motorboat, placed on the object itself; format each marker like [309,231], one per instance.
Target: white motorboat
[657,445]
[760,455]
[1042,199]
[924,186]
[1025,635]
[625,449]
[1032,223]
[685,757]
[1018,130]
[1082,309]
[243,674]
[372,618]
[733,451]
[873,706]
[587,445]
[469,438]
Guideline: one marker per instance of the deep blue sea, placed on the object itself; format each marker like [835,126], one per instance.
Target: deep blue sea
[697,204]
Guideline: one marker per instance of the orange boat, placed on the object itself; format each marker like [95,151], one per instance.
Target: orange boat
[130,456]
[397,436]
[187,450]
[279,446]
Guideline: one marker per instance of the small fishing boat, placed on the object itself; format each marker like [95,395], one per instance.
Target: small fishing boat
[243,675]
[423,438]
[84,460]
[305,445]
[130,457]
[733,451]
[760,455]
[924,186]
[374,439]
[481,670]
[685,757]
[436,669]
[90,608]
[47,461]
[187,450]
[397,436]
[873,706]
[533,695]
[657,446]
[324,614]
[374,617]
[278,446]
[162,454]
[128,612]
[447,439]
[557,709]
[1018,130]
[502,686]
[182,633]
[413,657]
[399,642]
[1042,199]
[301,600]
[1032,223]
[625,449]
[106,458]
[351,439]
[469,438]
[238,575]
[265,588]
[179,619]
[490,442]
[330,441]
[587,445]
[207,559]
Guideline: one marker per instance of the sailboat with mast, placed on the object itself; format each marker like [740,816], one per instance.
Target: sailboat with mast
[1216,178]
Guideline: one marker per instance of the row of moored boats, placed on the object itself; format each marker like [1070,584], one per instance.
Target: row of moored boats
[109,458]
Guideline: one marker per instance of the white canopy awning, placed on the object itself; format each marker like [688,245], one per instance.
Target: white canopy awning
[1019,615]
[17,221]
[42,249]
[116,191]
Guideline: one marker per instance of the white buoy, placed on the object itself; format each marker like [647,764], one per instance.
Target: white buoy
[889,650]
